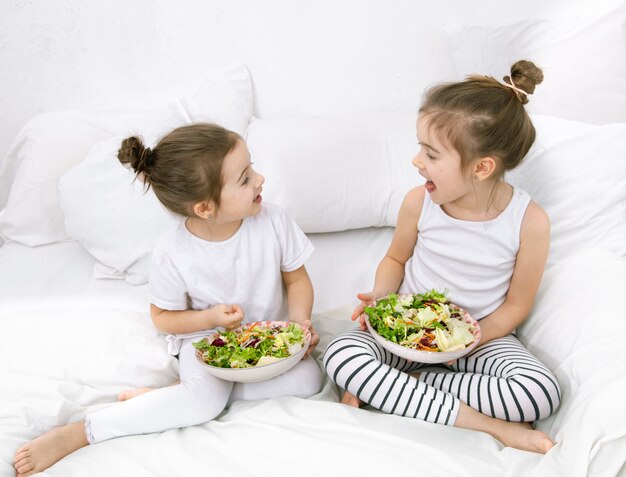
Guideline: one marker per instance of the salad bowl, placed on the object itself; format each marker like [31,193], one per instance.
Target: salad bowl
[381,319]
[253,352]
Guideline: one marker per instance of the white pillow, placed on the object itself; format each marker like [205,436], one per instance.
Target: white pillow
[578,329]
[585,290]
[343,172]
[329,173]
[337,173]
[43,150]
[577,173]
[51,144]
[109,212]
[583,62]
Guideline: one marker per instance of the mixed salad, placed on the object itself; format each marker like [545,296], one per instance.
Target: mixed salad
[421,321]
[254,344]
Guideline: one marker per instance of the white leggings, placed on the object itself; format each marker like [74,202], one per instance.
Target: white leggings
[500,379]
[199,398]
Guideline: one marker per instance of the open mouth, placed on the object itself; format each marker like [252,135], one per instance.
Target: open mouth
[430,186]
[258,199]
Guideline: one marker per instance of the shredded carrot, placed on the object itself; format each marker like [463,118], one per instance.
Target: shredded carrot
[245,336]
[424,348]
[430,337]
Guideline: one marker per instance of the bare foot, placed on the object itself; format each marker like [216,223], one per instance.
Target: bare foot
[131,393]
[351,400]
[519,435]
[522,436]
[46,450]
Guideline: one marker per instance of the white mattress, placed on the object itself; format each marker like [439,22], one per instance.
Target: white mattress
[71,343]
[61,273]
[94,338]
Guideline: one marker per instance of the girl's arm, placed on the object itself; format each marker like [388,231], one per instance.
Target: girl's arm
[300,301]
[299,295]
[529,266]
[390,271]
[189,321]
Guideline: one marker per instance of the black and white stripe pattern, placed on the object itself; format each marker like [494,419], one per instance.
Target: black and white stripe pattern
[500,379]
[358,364]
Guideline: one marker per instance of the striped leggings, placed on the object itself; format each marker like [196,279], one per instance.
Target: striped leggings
[500,379]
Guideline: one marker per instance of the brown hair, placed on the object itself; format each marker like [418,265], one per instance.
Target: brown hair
[482,117]
[185,166]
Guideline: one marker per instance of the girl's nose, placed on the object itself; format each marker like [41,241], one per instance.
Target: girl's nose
[260,179]
[417,162]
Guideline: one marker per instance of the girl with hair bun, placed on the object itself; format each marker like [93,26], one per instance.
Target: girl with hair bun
[231,259]
[468,231]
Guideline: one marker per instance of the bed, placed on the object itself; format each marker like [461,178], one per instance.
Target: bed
[333,135]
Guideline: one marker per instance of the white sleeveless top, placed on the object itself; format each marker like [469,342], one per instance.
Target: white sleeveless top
[474,261]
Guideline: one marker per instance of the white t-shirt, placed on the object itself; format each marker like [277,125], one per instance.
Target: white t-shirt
[474,261]
[189,272]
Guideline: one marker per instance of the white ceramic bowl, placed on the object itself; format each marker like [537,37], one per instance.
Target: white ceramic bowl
[430,357]
[259,373]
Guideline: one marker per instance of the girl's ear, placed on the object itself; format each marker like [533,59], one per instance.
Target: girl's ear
[484,168]
[204,209]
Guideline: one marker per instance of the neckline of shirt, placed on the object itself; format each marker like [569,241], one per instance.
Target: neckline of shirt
[482,223]
[217,243]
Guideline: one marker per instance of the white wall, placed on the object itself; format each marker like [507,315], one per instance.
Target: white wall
[306,57]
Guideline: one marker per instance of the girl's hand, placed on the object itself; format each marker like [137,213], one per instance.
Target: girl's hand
[314,336]
[226,316]
[366,299]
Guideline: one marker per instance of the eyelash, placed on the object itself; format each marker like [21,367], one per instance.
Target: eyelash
[246,180]
[428,155]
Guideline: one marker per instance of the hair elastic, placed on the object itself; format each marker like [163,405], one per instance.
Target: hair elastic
[513,87]
[146,155]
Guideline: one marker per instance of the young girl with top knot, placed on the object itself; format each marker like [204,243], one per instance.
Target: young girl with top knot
[230,259]
[467,231]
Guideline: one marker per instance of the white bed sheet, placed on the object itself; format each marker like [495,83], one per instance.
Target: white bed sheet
[102,350]
[71,343]
[61,274]
[94,337]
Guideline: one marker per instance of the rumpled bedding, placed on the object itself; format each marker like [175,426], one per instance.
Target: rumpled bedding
[58,362]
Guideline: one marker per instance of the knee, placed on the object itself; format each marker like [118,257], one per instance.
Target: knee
[310,379]
[542,397]
[343,347]
[329,353]
[206,398]
[551,399]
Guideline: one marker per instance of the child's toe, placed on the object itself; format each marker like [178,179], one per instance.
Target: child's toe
[24,466]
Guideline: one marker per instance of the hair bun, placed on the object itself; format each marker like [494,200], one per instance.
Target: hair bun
[525,76]
[133,152]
